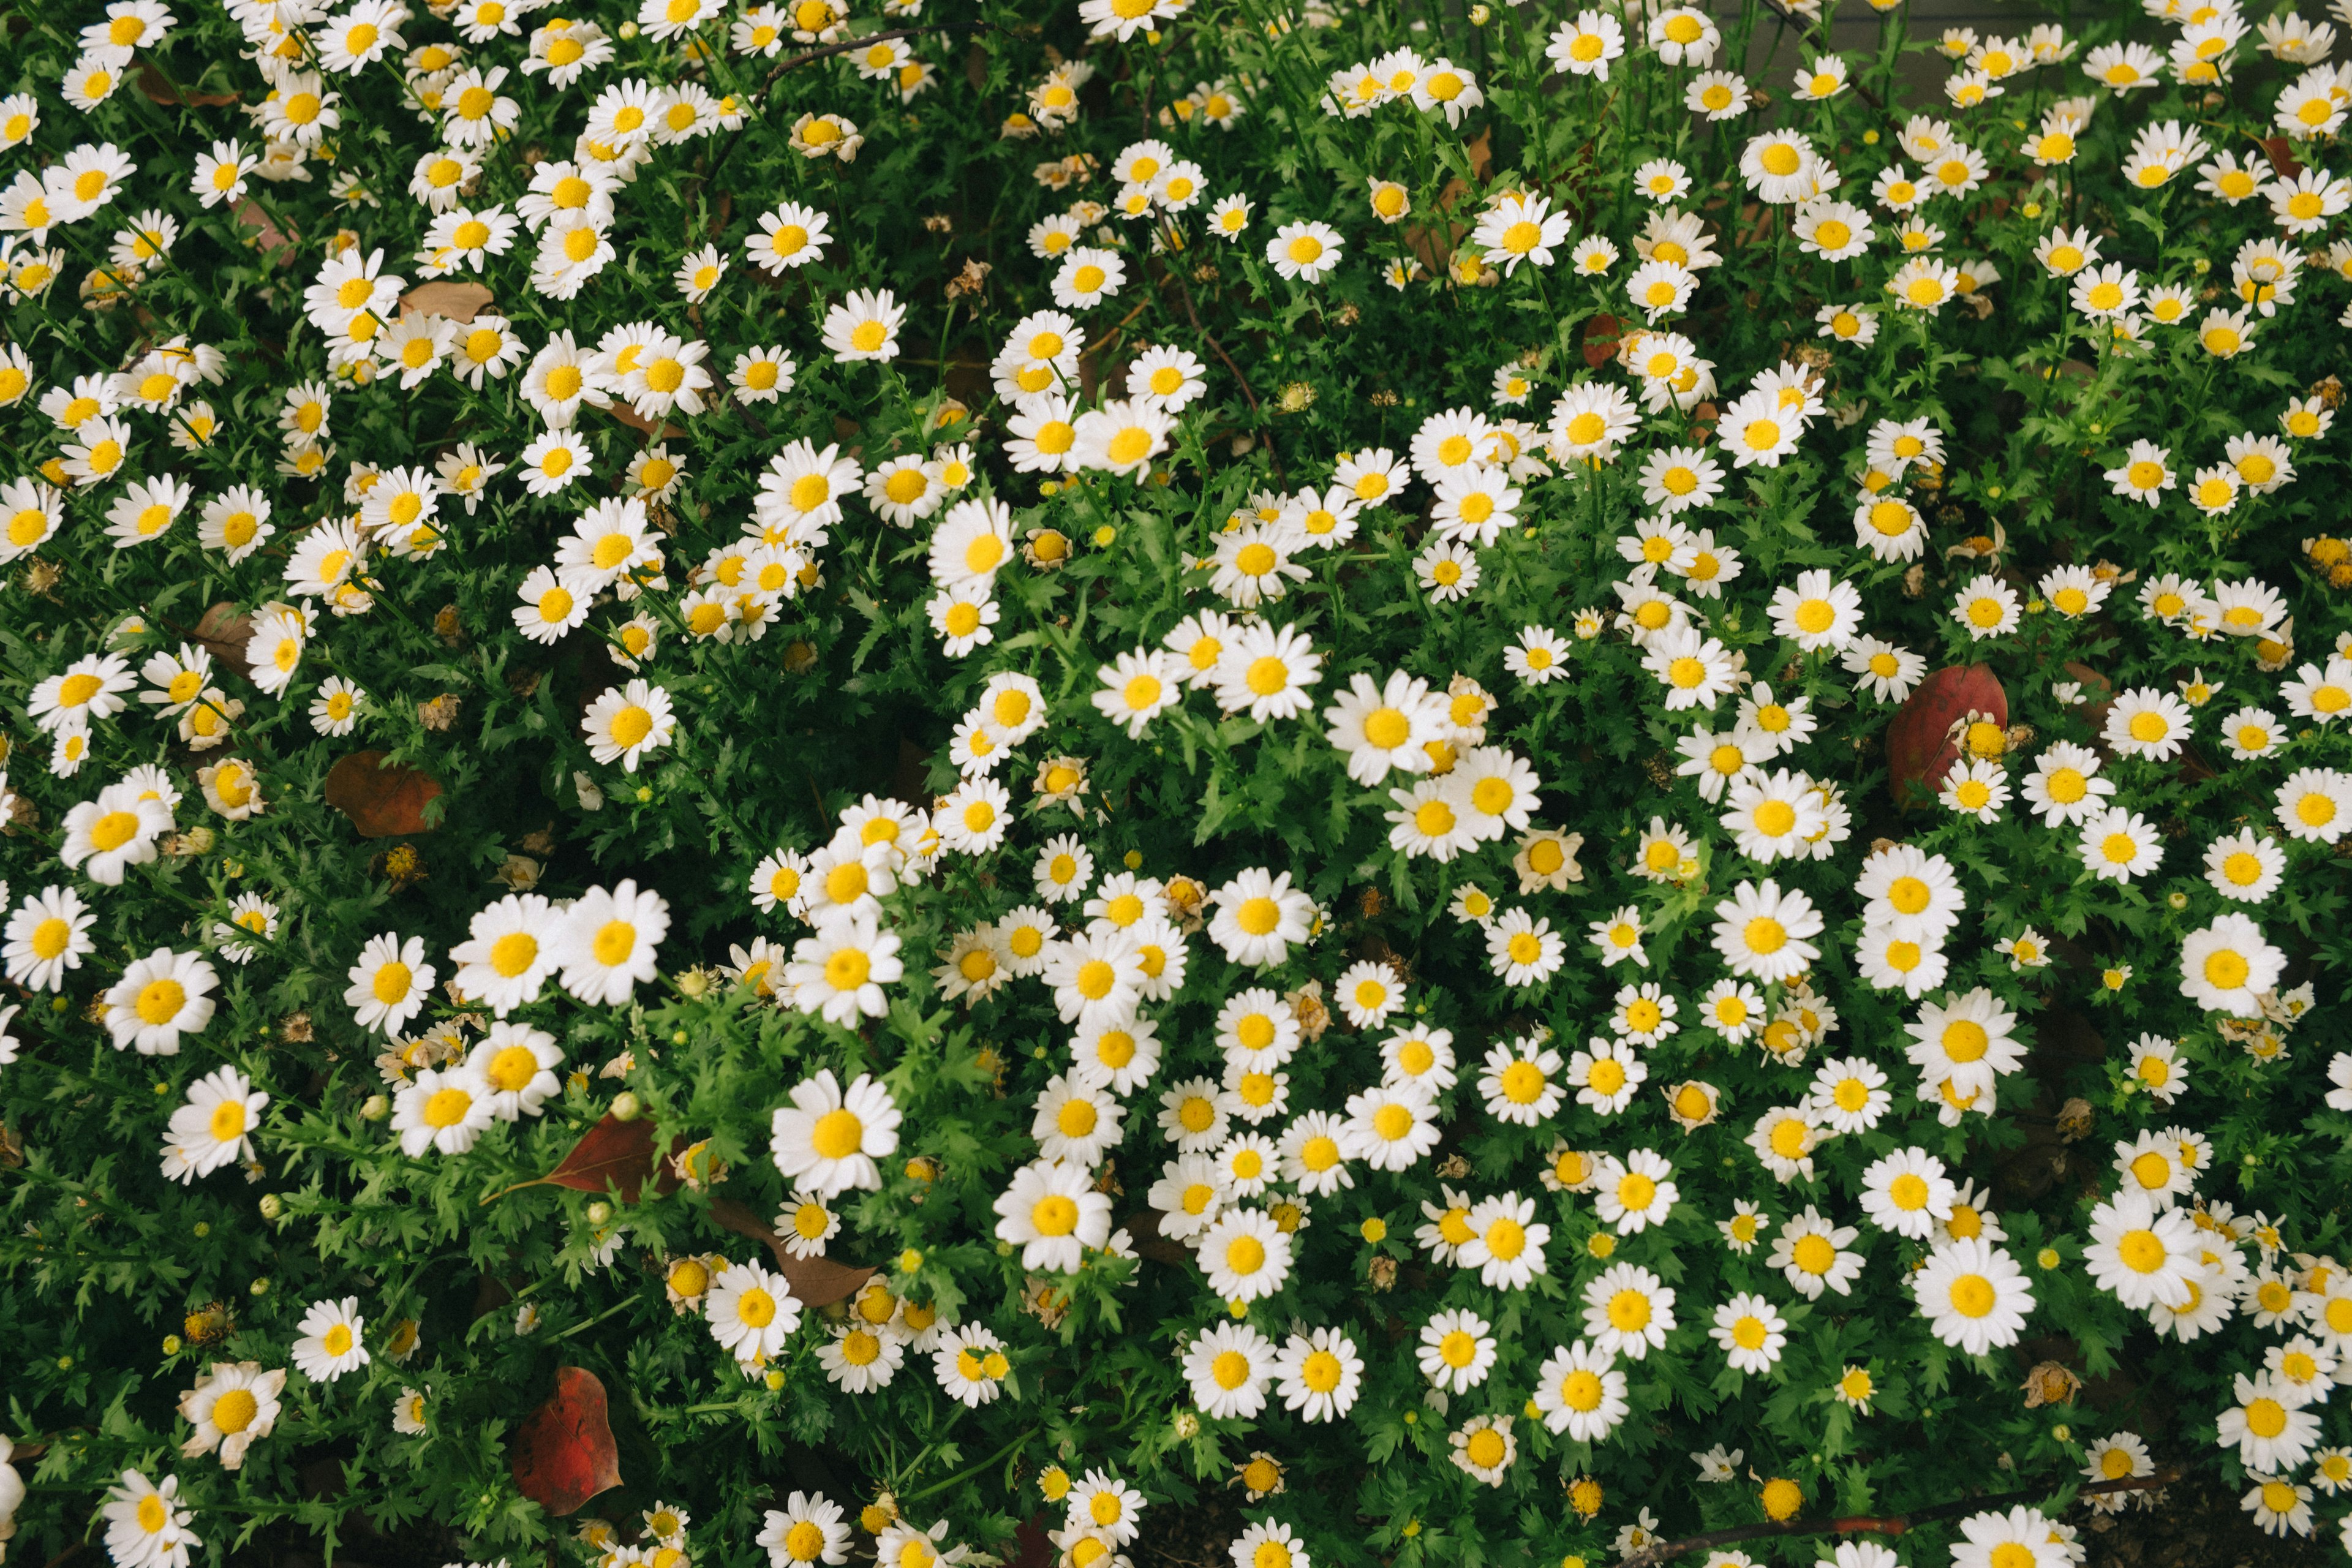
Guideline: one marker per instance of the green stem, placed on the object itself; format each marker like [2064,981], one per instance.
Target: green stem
[966,1474]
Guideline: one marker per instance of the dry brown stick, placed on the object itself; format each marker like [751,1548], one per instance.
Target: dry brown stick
[1265,433]
[1185,294]
[842,47]
[1806,34]
[828,52]
[1863,1524]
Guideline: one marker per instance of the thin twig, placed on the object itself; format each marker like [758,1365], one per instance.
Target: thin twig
[1806,34]
[1264,432]
[828,52]
[1218,349]
[789,61]
[1664,1552]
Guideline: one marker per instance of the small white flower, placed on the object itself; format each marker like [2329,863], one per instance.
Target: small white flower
[330,1345]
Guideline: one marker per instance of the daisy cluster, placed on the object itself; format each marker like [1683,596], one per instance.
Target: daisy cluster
[1550,739]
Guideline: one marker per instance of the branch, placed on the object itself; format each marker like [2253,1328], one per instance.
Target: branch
[1185,294]
[789,61]
[1261,431]
[1663,1551]
[828,52]
[1805,32]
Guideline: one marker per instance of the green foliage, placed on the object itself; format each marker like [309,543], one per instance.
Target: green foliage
[477,1278]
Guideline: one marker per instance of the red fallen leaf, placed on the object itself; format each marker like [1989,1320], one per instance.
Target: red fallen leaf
[458,301]
[816,1281]
[2276,148]
[563,1452]
[1601,335]
[1919,752]
[615,1151]
[383,800]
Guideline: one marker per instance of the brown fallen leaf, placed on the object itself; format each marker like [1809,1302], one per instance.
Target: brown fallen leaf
[1432,245]
[272,240]
[383,800]
[224,634]
[151,83]
[2098,693]
[614,1152]
[1603,333]
[816,1281]
[1143,1227]
[636,421]
[1032,1547]
[458,301]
